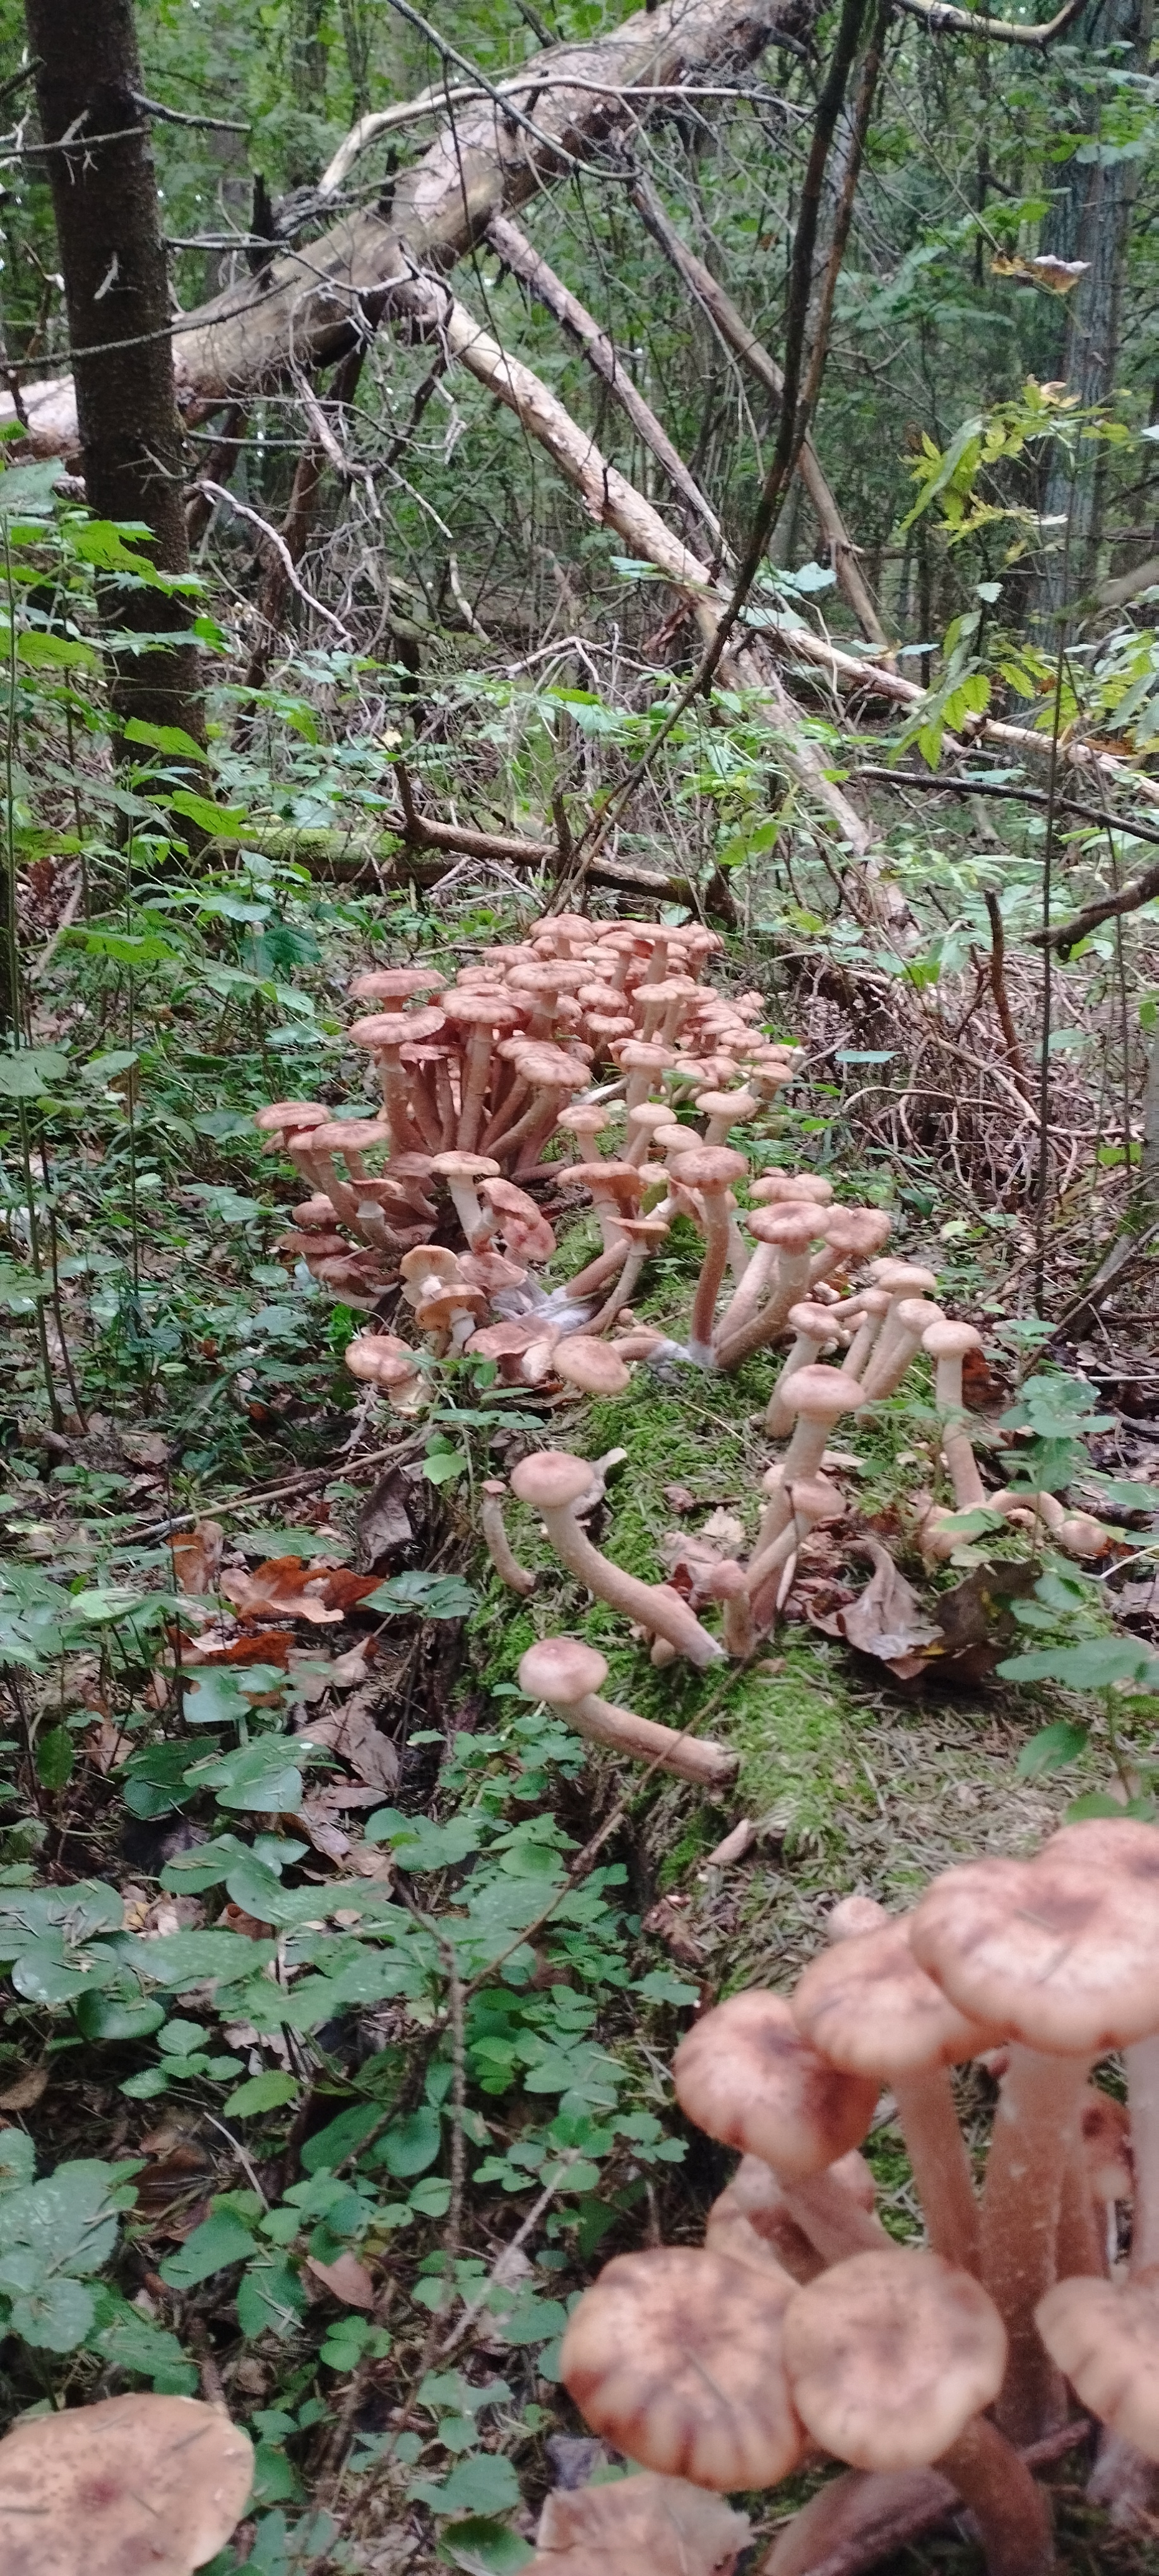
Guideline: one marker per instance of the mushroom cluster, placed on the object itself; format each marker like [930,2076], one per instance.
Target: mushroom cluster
[801,2328]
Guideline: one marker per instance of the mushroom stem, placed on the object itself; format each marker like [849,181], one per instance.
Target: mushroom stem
[941,2171]
[746,1298]
[1142,2065]
[1036,2117]
[652,1606]
[710,1765]
[1011,2510]
[1081,2244]
[812,1336]
[827,2213]
[873,1313]
[712,1270]
[507,1566]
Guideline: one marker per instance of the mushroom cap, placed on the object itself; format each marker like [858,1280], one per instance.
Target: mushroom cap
[550,1479]
[815,1321]
[675,2356]
[490,1270]
[1061,1952]
[664,2526]
[814,1498]
[736,1105]
[917,1314]
[429,1261]
[746,2075]
[890,2354]
[790,1227]
[709,1167]
[524,1228]
[466,1167]
[852,1915]
[902,1278]
[608,1180]
[381,1031]
[506,1340]
[856,1230]
[318,1213]
[1104,2337]
[562,1670]
[778,1186]
[550,1068]
[290,1116]
[128,2485]
[379,1359]
[478,1008]
[439,1311]
[357,1134]
[396,983]
[822,1393]
[947,1340]
[591,1366]
[643,1055]
[871,2010]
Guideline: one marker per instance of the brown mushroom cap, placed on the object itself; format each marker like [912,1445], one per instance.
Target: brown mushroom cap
[745,2074]
[610,1180]
[857,1231]
[779,1187]
[357,1134]
[550,1479]
[871,2010]
[813,1320]
[465,1167]
[947,1340]
[380,1359]
[550,1068]
[902,1278]
[822,1393]
[1061,1951]
[134,2486]
[395,983]
[289,1117]
[639,2526]
[890,2354]
[561,1670]
[709,1167]
[590,1365]
[1104,2336]
[383,1030]
[790,1227]
[675,2357]
[524,1228]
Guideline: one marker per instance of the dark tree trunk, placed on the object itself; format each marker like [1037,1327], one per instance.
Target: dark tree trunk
[104,195]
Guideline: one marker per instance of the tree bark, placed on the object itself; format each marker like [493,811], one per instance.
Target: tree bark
[104,193]
[493,158]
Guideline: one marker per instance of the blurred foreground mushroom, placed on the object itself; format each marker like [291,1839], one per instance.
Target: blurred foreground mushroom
[134,2486]
[664,2526]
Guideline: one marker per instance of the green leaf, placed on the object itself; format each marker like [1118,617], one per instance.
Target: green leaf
[55,1757]
[1051,1749]
[661,1987]
[181,1959]
[1095,1665]
[110,2016]
[484,2547]
[56,2316]
[219,2241]
[270,2299]
[484,2484]
[222,821]
[411,2144]
[430,1596]
[418,1844]
[341,2138]
[262,2093]
[130,2342]
[21,1289]
[25,1075]
[259,1777]
[165,738]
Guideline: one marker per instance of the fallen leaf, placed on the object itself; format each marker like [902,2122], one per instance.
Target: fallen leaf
[26,2090]
[106,1746]
[344,1793]
[266,1646]
[286,1587]
[885,1620]
[233,1918]
[679,1498]
[320,1829]
[352,1733]
[346,2279]
[662,2524]
[725,1527]
[384,1523]
[147,1449]
[1135,1600]
[197,1556]
[665,1922]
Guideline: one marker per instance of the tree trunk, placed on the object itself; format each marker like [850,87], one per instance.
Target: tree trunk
[104,193]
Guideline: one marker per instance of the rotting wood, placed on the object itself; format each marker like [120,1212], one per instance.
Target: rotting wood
[397,858]
[735,332]
[310,303]
[530,267]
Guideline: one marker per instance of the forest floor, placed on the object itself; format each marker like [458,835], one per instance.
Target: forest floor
[852,1779]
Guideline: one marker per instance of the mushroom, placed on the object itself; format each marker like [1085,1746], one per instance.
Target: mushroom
[1104,2337]
[809,1500]
[450,1315]
[518,1222]
[585,1121]
[352,1138]
[947,1343]
[813,1327]
[484,1017]
[522,1345]
[901,1336]
[645,1121]
[460,1171]
[615,1191]
[551,1075]
[663,2525]
[664,1008]
[380,1359]
[784,1235]
[778,1188]
[1059,1952]
[498,1545]
[851,1234]
[569,1676]
[745,2074]
[817,1396]
[869,2008]
[396,983]
[873,1307]
[642,1235]
[591,1366]
[640,1062]
[128,2484]
[900,1279]
[890,2359]
[710,1170]
[384,1034]
[753,2213]
[725,1110]
[553,1482]
[288,1118]
[674,2356]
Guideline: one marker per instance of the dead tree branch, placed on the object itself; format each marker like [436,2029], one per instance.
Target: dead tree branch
[528,264]
[735,332]
[942,20]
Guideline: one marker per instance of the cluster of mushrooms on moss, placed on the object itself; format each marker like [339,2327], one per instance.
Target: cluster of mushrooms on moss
[802,2334]
[582,1031]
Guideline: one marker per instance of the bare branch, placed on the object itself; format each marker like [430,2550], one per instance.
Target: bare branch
[942,20]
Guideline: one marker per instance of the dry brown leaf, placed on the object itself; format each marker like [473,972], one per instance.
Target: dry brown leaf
[346,2279]
[106,1746]
[146,1449]
[286,1587]
[197,1556]
[233,1918]
[666,1923]
[321,1830]
[352,1733]
[1058,276]
[337,1794]
[27,2090]
[725,1528]
[266,1646]
[369,1860]
[384,1523]
[886,1620]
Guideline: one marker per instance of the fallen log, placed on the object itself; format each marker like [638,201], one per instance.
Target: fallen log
[394,858]
[311,304]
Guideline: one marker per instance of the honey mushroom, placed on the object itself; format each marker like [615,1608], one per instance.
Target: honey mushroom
[675,2357]
[128,2484]
[553,1483]
[746,2075]
[570,1676]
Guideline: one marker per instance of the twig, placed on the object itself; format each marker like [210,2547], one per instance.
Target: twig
[525,2229]
[998,983]
[175,116]
[218,492]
